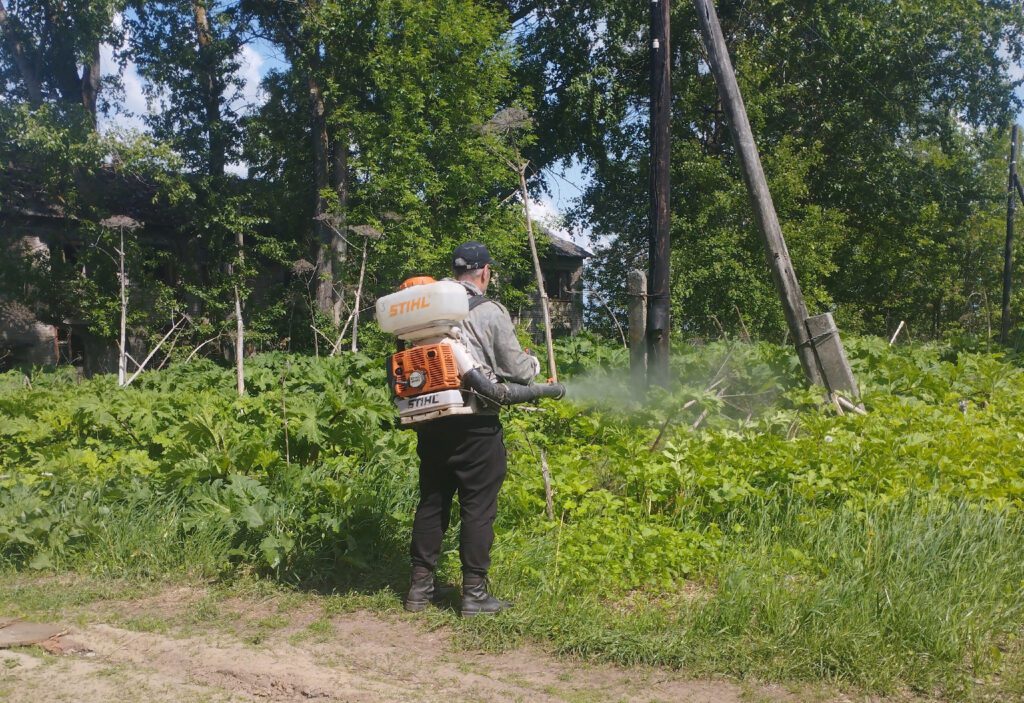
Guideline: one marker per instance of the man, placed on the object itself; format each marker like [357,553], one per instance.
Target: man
[466,453]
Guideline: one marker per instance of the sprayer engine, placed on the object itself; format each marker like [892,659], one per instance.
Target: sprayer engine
[436,373]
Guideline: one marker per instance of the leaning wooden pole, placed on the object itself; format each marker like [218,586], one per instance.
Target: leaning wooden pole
[1011,213]
[541,290]
[122,338]
[761,198]
[239,321]
[658,319]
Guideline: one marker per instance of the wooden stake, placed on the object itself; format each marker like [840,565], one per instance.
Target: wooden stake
[636,282]
[546,473]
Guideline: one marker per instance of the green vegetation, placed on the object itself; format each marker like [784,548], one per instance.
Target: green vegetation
[882,127]
[731,525]
[776,540]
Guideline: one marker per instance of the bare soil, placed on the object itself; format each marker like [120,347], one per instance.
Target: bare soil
[181,645]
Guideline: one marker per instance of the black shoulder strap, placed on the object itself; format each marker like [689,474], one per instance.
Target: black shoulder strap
[476,301]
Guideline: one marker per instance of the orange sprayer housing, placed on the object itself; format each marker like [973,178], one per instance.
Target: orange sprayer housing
[416,281]
[436,361]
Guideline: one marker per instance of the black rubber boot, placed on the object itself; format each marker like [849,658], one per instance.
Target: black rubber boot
[421,590]
[426,590]
[476,600]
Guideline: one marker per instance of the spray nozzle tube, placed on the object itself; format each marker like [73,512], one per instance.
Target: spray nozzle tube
[510,393]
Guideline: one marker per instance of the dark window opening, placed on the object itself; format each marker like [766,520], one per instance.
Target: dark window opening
[556,285]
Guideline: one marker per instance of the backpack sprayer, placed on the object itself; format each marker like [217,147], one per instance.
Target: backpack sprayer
[436,373]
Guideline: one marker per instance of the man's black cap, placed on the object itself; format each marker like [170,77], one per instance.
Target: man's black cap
[470,256]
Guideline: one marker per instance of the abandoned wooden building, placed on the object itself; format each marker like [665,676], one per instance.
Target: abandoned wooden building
[43,325]
[562,267]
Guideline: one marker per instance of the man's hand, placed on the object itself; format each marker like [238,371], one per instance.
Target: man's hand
[536,363]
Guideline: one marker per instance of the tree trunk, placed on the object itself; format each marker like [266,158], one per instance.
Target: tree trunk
[91,83]
[213,89]
[60,57]
[339,247]
[324,258]
[22,59]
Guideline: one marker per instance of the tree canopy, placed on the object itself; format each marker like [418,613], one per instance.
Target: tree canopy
[882,126]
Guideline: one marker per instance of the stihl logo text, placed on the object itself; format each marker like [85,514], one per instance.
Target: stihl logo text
[409,306]
[423,401]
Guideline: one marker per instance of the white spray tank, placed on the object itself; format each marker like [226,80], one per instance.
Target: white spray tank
[436,373]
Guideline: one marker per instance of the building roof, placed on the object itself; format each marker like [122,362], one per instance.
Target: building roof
[563,247]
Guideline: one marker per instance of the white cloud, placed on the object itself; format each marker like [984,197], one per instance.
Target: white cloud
[251,68]
[127,110]
[545,212]
[238,168]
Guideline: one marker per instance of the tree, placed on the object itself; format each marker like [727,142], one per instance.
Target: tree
[406,86]
[50,51]
[188,50]
[870,117]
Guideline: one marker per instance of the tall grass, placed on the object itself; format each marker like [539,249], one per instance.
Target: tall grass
[921,592]
[878,552]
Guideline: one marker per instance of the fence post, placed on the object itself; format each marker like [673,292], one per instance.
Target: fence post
[637,283]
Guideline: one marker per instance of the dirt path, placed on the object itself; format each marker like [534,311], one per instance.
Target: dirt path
[160,652]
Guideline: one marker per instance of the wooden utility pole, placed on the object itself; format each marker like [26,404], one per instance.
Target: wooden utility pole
[1011,211]
[760,197]
[637,285]
[658,322]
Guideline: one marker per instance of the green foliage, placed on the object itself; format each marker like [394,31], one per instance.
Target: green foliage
[881,128]
[886,547]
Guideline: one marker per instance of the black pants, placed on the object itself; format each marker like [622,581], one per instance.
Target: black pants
[465,454]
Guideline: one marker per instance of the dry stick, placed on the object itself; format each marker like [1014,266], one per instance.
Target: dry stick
[336,347]
[239,320]
[196,350]
[552,373]
[834,399]
[718,324]
[167,356]
[743,326]
[326,338]
[312,324]
[664,426]
[122,362]
[359,292]
[704,413]
[852,407]
[601,299]
[284,415]
[547,485]
[159,344]
[897,332]
[239,344]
